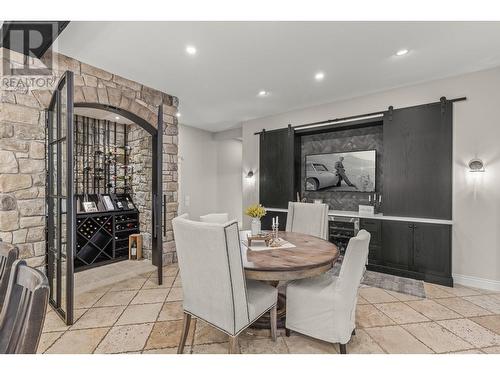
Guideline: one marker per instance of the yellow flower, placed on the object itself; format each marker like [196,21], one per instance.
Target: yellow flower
[256,211]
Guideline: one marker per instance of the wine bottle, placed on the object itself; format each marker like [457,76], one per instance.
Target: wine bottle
[133,251]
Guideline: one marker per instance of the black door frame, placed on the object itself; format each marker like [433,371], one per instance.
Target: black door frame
[56,254]
[157,175]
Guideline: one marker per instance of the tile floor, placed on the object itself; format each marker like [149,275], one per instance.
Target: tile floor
[138,316]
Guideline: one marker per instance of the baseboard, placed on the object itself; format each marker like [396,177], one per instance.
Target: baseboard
[476,282]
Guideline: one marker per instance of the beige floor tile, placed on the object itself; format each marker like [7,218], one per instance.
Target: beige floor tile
[87,299]
[300,344]
[167,334]
[134,283]
[78,342]
[460,291]
[171,311]
[403,297]
[436,337]
[99,317]
[170,270]
[175,295]
[257,334]
[370,316]
[492,350]
[150,296]
[487,302]
[152,283]
[135,314]
[46,340]
[492,322]
[401,313]
[217,348]
[187,350]
[394,339]
[206,334]
[362,301]
[471,332]
[470,351]
[54,323]
[463,307]
[433,310]
[263,346]
[119,298]
[178,282]
[125,338]
[436,291]
[362,343]
[376,295]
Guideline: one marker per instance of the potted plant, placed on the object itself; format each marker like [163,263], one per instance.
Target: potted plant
[256,212]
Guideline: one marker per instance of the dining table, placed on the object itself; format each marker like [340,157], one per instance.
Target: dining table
[301,256]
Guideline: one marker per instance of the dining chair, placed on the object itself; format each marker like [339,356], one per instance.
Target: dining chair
[308,218]
[324,307]
[213,280]
[8,254]
[23,313]
[215,218]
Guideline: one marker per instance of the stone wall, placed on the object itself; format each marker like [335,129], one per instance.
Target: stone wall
[22,151]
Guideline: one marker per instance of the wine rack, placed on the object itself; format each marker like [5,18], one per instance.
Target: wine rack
[103,237]
[341,229]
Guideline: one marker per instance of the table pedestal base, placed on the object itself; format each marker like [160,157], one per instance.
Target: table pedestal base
[264,322]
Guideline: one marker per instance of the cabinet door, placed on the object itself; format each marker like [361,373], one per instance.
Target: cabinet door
[432,249]
[397,244]
[276,176]
[375,229]
[417,161]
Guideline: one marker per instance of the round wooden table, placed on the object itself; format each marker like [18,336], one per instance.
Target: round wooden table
[311,256]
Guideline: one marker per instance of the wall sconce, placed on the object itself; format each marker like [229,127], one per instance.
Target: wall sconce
[250,174]
[476,165]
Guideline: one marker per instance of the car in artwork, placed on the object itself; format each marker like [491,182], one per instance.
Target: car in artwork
[319,177]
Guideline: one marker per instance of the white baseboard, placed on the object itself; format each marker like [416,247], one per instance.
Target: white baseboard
[476,282]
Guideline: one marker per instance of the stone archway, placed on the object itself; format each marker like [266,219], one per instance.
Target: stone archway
[22,153]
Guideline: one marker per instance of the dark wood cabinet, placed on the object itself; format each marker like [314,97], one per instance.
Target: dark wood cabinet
[417,161]
[408,249]
[432,250]
[277,178]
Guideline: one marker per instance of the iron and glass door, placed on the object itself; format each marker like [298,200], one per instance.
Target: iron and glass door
[157,248]
[60,199]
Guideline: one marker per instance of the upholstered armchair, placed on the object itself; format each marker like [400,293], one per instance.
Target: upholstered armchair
[213,280]
[324,307]
[308,218]
[215,218]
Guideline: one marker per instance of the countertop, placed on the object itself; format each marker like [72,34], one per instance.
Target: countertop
[380,216]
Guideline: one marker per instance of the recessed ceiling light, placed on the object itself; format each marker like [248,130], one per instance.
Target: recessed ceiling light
[319,76]
[191,50]
[402,52]
[117,117]
[178,114]
[263,93]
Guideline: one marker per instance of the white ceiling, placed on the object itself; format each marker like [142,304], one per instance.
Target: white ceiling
[218,87]
[101,115]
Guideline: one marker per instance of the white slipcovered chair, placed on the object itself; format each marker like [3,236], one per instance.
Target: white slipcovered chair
[308,218]
[215,218]
[213,280]
[324,307]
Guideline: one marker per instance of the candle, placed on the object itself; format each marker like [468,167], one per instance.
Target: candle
[370,199]
[273,221]
[277,221]
[379,199]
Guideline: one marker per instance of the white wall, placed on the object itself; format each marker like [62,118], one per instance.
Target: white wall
[476,127]
[210,177]
[197,172]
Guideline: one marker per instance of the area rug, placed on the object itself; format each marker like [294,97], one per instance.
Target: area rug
[389,282]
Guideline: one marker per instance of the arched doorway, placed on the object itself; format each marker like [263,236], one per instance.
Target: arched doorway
[60,194]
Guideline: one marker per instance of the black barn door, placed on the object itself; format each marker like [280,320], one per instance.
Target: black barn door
[157,249]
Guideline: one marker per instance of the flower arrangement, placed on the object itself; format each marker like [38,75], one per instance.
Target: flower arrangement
[255,211]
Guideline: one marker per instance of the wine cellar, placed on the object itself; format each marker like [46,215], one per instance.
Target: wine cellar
[105,213]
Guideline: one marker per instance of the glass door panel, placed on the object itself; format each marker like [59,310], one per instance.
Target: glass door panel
[61,217]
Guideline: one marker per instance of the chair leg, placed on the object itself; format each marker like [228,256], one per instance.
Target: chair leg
[185,330]
[287,332]
[274,317]
[343,348]
[353,332]
[234,347]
